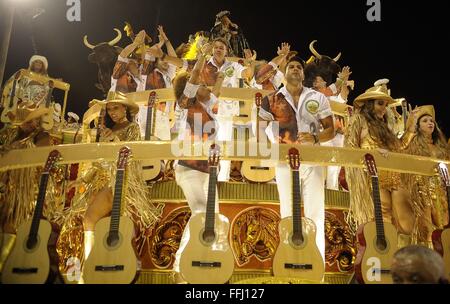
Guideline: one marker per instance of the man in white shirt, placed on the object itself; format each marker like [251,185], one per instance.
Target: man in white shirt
[299,113]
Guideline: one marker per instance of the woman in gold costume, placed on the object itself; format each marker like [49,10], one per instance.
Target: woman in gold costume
[368,129]
[427,192]
[94,198]
[19,187]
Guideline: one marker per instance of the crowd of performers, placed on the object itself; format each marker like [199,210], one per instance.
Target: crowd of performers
[299,106]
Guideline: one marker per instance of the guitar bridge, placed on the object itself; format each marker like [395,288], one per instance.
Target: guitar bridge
[109,268]
[24,270]
[260,168]
[206,264]
[382,271]
[298,266]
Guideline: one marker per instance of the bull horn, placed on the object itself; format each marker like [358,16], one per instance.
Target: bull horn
[87,44]
[117,39]
[337,57]
[313,51]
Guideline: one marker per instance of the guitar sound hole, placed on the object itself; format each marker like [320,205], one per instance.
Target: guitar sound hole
[209,236]
[381,244]
[31,243]
[112,239]
[297,239]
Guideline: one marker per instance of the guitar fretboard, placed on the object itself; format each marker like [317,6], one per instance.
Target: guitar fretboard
[377,208]
[211,201]
[117,201]
[296,211]
[39,207]
[148,127]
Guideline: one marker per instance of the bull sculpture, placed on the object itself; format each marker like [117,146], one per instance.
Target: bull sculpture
[105,56]
[321,65]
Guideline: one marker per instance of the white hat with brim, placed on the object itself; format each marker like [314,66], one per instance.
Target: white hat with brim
[73,115]
[40,58]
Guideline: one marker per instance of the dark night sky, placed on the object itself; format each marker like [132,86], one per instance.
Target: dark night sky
[407,46]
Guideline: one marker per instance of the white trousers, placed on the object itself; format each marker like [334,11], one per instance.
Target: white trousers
[312,194]
[195,188]
[332,178]
[227,109]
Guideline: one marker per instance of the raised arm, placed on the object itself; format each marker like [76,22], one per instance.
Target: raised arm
[138,41]
[163,37]
[218,84]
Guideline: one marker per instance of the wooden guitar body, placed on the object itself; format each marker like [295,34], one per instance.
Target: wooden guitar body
[207,262]
[29,266]
[303,260]
[373,264]
[111,264]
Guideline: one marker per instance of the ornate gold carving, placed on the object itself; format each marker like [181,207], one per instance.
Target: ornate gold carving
[167,237]
[340,243]
[254,233]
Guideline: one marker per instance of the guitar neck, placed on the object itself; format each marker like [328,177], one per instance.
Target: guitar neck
[377,208]
[39,206]
[148,127]
[211,201]
[296,200]
[117,201]
[257,124]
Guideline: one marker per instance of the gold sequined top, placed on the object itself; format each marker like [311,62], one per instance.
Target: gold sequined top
[428,193]
[361,204]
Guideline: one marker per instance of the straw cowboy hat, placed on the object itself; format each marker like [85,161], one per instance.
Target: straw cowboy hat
[378,92]
[118,97]
[426,110]
[25,114]
[40,58]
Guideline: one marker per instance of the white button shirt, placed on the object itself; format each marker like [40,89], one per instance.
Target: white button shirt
[311,108]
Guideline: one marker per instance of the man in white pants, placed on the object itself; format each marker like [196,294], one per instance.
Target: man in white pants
[299,112]
[199,123]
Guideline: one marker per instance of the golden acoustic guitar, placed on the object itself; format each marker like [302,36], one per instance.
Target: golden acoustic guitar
[113,259]
[297,254]
[30,260]
[254,171]
[10,103]
[152,169]
[441,237]
[207,258]
[377,241]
